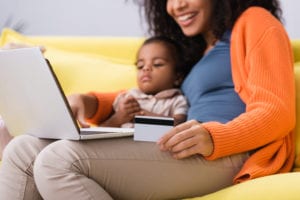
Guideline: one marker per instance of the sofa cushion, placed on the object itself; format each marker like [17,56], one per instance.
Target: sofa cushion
[296,50]
[279,186]
[83,71]
[297,130]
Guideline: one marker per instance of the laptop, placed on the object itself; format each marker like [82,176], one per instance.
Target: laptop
[32,100]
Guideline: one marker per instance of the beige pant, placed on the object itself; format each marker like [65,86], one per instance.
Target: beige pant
[107,169]
[5,137]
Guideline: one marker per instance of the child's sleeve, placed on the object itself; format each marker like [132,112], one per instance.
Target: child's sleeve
[180,105]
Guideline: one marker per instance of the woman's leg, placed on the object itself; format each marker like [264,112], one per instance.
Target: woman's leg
[5,137]
[124,169]
[16,171]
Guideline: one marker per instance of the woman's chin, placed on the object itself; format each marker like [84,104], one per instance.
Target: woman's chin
[190,33]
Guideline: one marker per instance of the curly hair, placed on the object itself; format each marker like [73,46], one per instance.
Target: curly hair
[175,50]
[224,15]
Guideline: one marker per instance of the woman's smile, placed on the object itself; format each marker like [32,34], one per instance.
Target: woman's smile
[193,16]
[186,19]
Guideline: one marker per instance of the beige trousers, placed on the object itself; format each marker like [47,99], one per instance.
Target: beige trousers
[107,169]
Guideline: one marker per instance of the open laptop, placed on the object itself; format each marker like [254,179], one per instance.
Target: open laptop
[32,100]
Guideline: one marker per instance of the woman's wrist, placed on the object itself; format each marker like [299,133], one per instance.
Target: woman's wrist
[90,104]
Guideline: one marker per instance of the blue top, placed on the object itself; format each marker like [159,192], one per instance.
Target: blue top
[209,87]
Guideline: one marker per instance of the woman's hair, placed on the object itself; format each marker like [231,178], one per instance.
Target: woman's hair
[224,15]
[174,49]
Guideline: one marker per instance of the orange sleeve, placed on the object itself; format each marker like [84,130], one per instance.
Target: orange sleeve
[105,106]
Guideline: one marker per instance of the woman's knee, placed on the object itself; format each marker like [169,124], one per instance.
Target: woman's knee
[57,156]
[54,165]
[22,148]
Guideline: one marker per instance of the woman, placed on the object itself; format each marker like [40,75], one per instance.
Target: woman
[240,123]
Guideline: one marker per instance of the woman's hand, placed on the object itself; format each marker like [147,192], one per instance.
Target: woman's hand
[82,106]
[187,139]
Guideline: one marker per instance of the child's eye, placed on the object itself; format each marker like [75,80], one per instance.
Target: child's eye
[158,64]
[139,67]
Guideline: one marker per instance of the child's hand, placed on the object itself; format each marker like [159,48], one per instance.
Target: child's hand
[148,113]
[128,108]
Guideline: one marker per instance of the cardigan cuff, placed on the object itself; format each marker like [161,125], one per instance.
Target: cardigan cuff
[104,108]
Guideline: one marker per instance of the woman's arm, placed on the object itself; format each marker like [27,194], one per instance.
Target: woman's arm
[83,106]
[91,108]
[104,108]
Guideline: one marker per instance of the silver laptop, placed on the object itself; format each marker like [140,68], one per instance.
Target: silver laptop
[32,100]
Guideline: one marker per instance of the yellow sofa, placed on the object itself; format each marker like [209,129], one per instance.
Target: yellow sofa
[83,64]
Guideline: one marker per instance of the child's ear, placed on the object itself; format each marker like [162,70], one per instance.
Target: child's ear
[178,80]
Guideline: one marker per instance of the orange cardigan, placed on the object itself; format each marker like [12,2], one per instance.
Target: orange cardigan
[262,70]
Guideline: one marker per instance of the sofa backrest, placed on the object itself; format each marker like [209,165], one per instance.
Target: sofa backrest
[84,64]
[296,51]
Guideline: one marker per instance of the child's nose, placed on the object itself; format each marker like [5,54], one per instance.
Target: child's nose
[147,67]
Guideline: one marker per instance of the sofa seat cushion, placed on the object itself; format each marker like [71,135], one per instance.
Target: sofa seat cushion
[279,186]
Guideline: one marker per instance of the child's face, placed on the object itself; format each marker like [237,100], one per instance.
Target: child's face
[156,68]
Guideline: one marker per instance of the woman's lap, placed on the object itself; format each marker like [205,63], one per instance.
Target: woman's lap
[123,168]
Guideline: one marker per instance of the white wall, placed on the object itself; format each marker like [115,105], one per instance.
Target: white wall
[97,17]
[73,17]
[291,13]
